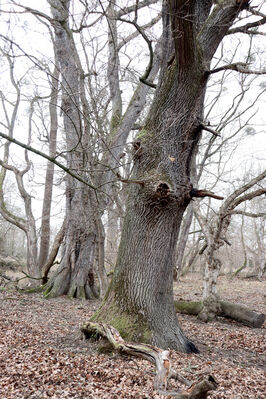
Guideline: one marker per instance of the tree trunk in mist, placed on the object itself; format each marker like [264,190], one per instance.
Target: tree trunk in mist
[140,299]
[112,235]
[182,240]
[32,255]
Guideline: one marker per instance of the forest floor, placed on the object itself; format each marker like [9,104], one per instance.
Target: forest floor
[43,356]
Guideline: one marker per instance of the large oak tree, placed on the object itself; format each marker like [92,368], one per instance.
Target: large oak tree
[140,299]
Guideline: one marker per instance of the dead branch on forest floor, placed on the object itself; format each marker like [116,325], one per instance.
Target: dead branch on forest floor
[159,357]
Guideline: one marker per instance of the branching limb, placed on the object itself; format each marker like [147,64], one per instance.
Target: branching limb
[133,35]
[246,28]
[241,67]
[34,11]
[42,154]
[145,76]
[129,9]
[234,199]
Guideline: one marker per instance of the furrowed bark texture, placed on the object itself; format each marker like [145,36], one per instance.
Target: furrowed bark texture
[140,298]
[76,273]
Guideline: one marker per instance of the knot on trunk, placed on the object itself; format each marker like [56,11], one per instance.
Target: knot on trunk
[163,190]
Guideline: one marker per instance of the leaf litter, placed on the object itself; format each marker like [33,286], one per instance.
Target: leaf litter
[42,354]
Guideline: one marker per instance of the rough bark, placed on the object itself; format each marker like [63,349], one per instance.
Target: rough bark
[226,309]
[76,275]
[140,298]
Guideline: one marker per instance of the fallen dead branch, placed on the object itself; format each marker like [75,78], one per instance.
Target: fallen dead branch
[234,311]
[161,358]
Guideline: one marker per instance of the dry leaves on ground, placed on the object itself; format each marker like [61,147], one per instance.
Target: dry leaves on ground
[42,354]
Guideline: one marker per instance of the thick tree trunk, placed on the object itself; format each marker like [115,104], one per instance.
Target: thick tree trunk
[226,309]
[140,300]
[211,273]
[76,275]
[76,116]
[141,293]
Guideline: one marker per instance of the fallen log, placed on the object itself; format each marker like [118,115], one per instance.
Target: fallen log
[234,311]
[159,357]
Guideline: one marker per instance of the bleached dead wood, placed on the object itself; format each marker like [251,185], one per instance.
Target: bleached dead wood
[159,357]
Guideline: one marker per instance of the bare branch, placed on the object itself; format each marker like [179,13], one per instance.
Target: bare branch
[249,214]
[128,10]
[136,33]
[144,77]
[34,12]
[238,67]
[204,193]
[232,201]
[208,129]
[42,154]
[246,28]
[248,197]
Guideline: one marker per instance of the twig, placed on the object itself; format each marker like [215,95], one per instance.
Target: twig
[141,182]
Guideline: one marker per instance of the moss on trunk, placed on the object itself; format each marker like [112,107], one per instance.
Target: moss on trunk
[225,309]
[131,327]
